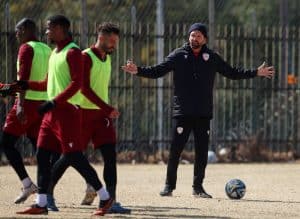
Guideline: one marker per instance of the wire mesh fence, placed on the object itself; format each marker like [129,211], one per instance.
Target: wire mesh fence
[259,112]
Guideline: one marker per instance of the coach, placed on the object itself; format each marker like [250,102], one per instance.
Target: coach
[194,68]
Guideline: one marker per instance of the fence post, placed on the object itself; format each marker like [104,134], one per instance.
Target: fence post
[84,25]
[136,86]
[211,29]
[283,23]
[9,51]
[160,82]
[211,20]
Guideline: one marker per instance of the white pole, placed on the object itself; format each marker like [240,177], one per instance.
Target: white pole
[211,18]
[7,27]
[8,53]
[160,57]
[211,29]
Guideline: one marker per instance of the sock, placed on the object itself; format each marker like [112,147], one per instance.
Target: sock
[26,182]
[104,195]
[41,200]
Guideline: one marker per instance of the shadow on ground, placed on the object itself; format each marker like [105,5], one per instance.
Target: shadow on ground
[163,212]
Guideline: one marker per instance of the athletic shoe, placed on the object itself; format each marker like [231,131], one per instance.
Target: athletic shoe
[34,209]
[51,206]
[104,207]
[90,195]
[200,192]
[26,192]
[167,191]
[116,208]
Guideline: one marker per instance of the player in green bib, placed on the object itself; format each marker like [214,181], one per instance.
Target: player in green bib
[23,118]
[61,125]
[97,114]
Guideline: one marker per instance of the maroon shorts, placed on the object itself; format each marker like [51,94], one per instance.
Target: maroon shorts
[98,128]
[32,122]
[61,129]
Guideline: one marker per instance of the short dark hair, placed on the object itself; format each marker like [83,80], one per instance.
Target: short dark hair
[27,24]
[60,20]
[108,28]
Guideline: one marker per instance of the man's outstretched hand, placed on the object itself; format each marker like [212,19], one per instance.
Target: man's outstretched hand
[265,71]
[130,67]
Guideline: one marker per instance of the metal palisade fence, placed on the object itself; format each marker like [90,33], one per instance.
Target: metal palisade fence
[260,111]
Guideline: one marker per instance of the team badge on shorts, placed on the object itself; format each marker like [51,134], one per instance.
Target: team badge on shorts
[205,56]
[179,130]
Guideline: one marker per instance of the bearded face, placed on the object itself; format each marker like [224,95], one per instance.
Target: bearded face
[109,43]
[196,39]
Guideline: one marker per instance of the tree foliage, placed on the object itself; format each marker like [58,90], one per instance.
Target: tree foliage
[251,12]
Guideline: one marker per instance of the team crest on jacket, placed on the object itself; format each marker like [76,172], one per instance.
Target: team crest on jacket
[205,56]
[179,130]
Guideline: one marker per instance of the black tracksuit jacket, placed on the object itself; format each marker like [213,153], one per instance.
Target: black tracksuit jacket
[193,79]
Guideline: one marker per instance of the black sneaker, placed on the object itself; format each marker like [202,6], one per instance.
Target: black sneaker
[200,192]
[117,208]
[51,203]
[167,191]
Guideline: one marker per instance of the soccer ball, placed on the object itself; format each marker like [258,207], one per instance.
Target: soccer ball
[235,189]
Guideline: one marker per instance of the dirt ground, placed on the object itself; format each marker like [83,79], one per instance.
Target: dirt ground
[273,191]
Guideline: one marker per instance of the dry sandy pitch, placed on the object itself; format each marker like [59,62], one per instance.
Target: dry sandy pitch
[273,191]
